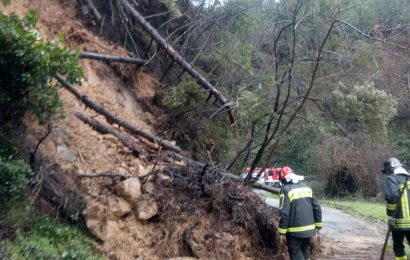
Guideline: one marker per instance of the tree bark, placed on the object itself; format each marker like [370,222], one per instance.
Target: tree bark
[174,55]
[105,129]
[113,118]
[111,58]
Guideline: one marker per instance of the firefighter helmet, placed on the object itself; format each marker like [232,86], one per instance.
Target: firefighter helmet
[390,164]
[284,172]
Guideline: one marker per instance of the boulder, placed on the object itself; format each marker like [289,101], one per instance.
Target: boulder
[146,208]
[117,207]
[112,230]
[95,211]
[97,227]
[130,189]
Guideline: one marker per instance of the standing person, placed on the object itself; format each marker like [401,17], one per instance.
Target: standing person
[399,223]
[300,214]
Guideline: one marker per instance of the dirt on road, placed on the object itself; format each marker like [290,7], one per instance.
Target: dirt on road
[345,237]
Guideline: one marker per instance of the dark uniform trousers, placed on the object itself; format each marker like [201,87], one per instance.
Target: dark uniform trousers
[398,246]
[299,247]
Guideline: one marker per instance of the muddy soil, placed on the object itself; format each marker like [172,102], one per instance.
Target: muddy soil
[346,237]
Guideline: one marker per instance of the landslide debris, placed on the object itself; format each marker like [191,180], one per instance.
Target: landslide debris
[175,210]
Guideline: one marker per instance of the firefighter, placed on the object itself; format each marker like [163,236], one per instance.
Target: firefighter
[300,215]
[399,223]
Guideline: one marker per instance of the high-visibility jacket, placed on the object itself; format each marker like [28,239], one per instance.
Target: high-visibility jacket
[300,212]
[393,185]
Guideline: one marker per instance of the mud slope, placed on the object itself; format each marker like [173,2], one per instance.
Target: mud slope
[153,219]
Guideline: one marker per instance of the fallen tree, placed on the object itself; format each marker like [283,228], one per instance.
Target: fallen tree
[113,118]
[111,58]
[175,56]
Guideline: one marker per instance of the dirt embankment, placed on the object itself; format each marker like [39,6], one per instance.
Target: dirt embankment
[160,217]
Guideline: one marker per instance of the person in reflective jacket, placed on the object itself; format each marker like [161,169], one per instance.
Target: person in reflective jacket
[399,223]
[300,214]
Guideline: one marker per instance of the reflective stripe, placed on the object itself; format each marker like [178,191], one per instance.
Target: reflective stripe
[401,257]
[282,230]
[405,205]
[300,193]
[402,221]
[301,229]
[405,201]
[281,199]
[390,206]
[402,224]
[318,224]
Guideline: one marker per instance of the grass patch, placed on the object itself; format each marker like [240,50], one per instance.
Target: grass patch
[43,237]
[371,210]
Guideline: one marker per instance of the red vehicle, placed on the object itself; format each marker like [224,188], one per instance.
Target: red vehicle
[269,177]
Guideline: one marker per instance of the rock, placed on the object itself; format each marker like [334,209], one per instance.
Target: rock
[148,188]
[66,153]
[117,207]
[112,230]
[97,228]
[95,211]
[146,208]
[130,189]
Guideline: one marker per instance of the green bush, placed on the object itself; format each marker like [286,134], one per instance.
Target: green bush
[185,97]
[401,144]
[27,66]
[43,237]
[12,178]
[364,107]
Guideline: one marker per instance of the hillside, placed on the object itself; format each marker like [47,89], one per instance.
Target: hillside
[168,212]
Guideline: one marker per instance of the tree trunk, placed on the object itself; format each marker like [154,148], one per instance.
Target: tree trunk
[113,118]
[111,58]
[174,55]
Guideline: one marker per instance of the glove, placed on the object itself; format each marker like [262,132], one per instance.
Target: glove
[391,221]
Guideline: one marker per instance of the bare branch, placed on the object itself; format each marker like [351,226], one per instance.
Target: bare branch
[368,36]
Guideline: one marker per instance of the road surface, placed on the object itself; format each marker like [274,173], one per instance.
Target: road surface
[345,237]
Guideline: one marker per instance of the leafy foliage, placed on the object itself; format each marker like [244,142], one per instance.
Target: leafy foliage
[12,178]
[298,146]
[401,144]
[185,96]
[43,237]
[364,107]
[27,66]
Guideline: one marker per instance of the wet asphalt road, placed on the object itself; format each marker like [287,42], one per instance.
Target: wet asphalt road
[346,237]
